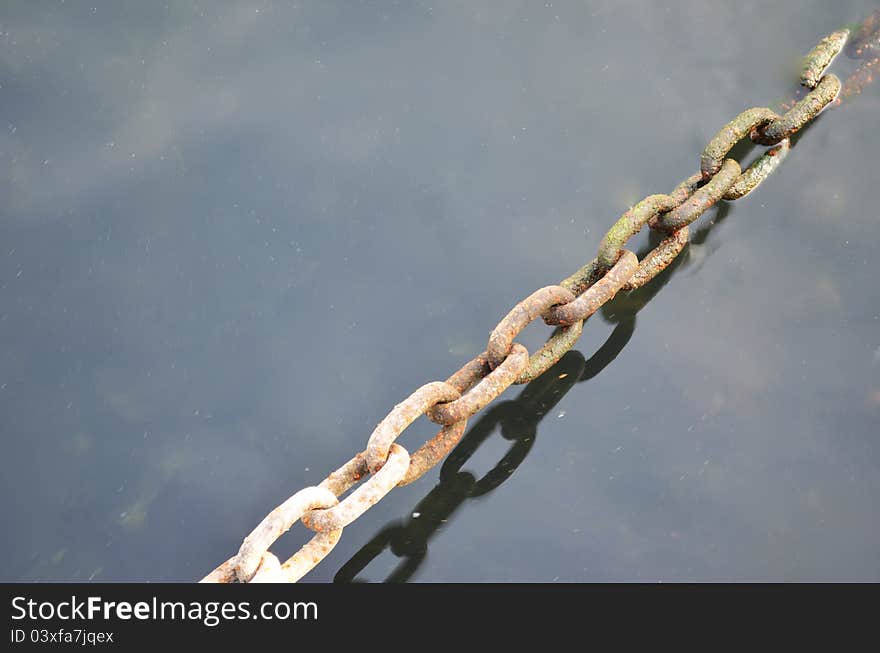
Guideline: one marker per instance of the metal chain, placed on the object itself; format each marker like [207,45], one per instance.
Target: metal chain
[384,464]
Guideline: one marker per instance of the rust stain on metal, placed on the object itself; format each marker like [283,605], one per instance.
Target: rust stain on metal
[520,316]
[810,106]
[347,476]
[223,573]
[700,201]
[471,372]
[356,503]
[583,278]
[401,416]
[547,356]
[658,259]
[593,297]
[686,188]
[756,173]
[492,385]
[433,451]
[300,563]
[821,56]
[304,560]
[244,565]
[729,135]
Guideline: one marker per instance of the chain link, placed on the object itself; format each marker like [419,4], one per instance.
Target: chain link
[385,464]
[404,414]
[520,316]
[631,223]
[756,173]
[254,550]
[357,503]
[548,355]
[658,259]
[485,390]
[812,104]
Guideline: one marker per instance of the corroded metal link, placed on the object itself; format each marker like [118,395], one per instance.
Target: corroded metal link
[489,387]
[404,414]
[242,567]
[821,56]
[433,451]
[299,564]
[658,259]
[520,316]
[759,171]
[810,106]
[729,135]
[401,416]
[471,372]
[270,570]
[222,573]
[591,272]
[550,353]
[359,501]
[700,201]
[629,224]
[593,297]
[347,476]
[686,188]
[583,278]
[304,560]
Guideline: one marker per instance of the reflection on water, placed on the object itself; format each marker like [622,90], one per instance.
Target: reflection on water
[235,235]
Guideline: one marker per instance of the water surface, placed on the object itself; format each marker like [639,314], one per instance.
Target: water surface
[234,235]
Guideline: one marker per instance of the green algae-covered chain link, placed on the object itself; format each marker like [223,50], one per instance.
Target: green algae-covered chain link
[762,168]
[648,211]
[745,123]
[658,259]
[702,199]
[729,135]
[551,351]
[820,57]
[810,106]
[629,224]
[597,294]
[385,464]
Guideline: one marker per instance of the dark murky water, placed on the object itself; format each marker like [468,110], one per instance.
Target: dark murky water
[235,235]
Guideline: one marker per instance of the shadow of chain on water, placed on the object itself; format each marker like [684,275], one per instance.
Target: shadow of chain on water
[518,420]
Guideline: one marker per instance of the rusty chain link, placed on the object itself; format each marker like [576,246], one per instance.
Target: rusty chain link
[384,464]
